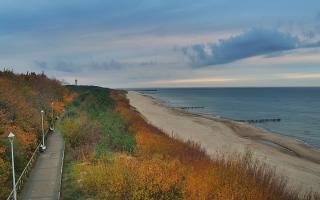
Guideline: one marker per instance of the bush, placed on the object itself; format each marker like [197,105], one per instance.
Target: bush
[116,129]
[126,178]
[81,134]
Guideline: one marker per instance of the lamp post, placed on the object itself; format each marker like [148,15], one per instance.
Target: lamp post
[11,136]
[52,119]
[43,147]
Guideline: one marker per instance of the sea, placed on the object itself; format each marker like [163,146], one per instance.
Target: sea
[297,108]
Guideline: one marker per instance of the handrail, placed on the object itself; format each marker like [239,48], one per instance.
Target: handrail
[61,171]
[27,169]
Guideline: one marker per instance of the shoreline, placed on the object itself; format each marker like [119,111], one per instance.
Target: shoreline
[266,137]
[216,117]
[296,146]
[292,158]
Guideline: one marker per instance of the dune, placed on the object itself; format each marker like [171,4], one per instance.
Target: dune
[291,158]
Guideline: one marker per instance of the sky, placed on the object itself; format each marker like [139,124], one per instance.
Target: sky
[164,43]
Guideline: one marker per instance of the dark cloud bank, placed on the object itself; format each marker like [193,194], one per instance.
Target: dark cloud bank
[254,42]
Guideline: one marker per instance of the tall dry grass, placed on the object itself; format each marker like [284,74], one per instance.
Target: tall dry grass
[81,135]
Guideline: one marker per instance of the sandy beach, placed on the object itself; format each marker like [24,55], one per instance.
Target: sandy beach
[297,161]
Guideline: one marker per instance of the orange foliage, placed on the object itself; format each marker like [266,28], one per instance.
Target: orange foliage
[69,98]
[58,106]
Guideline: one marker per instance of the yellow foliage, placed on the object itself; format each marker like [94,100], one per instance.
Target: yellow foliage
[127,178]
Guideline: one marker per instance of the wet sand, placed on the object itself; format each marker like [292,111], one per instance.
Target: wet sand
[297,161]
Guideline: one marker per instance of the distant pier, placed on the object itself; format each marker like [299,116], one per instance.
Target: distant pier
[146,90]
[251,121]
[190,107]
[260,120]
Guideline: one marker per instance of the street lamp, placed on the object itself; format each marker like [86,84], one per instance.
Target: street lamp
[42,146]
[11,136]
[52,119]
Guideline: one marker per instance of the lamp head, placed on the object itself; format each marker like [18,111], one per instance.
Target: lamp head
[11,136]
[42,112]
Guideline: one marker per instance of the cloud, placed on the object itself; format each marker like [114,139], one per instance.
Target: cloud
[251,43]
[107,65]
[70,67]
[300,76]
[61,66]
[208,80]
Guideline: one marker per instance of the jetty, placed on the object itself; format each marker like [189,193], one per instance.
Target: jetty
[260,120]
[146,90]
[190,107]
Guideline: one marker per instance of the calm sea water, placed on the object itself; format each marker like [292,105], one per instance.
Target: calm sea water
[298,108]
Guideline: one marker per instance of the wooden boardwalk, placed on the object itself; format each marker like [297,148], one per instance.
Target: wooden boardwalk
[45,178]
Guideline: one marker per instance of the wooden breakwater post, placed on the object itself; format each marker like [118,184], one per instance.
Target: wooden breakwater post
[260,120]
[190,107]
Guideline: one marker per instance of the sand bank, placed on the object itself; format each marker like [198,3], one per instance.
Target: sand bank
[292,158]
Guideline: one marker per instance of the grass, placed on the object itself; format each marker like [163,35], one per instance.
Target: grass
[115,130]
[70,192]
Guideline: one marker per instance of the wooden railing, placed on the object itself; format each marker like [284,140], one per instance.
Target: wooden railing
[26,171]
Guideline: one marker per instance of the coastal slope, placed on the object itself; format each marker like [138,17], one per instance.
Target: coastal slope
[291,158]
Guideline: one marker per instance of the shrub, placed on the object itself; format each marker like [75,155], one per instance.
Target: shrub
[126,178]
[117,131]
[81,135]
